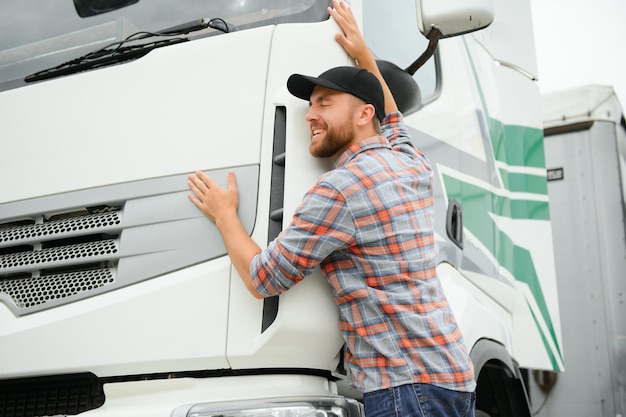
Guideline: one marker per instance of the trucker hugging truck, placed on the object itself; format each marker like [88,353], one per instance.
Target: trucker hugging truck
[116,294]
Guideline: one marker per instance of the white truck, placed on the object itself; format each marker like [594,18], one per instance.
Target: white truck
[585,145]
[117,297]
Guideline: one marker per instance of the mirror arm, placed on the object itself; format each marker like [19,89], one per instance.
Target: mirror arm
[433,37]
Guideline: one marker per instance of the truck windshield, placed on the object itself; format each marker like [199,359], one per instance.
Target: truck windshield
[38,34]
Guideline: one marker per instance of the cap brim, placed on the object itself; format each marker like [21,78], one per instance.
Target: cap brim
[302,86]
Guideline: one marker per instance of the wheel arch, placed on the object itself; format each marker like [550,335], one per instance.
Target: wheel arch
[501,389]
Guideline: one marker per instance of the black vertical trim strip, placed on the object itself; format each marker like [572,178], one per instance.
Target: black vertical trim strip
[277,192]
[278,174]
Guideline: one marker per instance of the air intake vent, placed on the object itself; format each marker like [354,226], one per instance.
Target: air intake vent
[50,258]
[92,250]
[29,292]
[78,222]
[50,396]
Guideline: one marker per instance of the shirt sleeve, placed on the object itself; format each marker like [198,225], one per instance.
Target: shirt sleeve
[395,131]
[320,226]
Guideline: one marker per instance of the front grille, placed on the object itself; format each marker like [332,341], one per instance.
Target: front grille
[50,258]
[76,222]
[30,292]
[15,262]
[50,396]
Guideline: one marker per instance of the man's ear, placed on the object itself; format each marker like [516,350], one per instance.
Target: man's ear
[366,114]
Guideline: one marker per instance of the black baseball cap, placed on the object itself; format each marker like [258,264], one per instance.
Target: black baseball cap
[352,80]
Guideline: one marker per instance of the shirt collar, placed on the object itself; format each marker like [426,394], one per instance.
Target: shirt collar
[362,146]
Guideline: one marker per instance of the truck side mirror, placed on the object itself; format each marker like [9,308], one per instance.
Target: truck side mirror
[86,8]
[454,17]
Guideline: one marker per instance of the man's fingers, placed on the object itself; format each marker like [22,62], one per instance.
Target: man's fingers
[197,185]
[211,198]
[202,185]
[195,200]
[232,181]
[207,180]
[202,181]
[350,36]
[342,14]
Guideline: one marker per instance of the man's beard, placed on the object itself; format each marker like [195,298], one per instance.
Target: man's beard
[335,141]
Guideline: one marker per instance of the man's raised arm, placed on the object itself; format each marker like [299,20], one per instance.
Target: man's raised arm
[353,43]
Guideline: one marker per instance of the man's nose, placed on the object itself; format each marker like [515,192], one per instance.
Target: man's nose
[310,115]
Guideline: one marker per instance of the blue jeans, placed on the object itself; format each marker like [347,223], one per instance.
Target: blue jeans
[419,400]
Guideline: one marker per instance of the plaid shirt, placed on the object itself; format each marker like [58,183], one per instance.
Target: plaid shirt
[368,224]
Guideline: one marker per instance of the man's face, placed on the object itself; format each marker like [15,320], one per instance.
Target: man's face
[331,119]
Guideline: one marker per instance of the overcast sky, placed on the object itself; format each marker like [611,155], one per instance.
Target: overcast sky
[581,42]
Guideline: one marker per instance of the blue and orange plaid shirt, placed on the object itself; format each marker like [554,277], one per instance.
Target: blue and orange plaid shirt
[368,224]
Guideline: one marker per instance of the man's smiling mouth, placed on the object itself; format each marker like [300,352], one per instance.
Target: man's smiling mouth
[316,131]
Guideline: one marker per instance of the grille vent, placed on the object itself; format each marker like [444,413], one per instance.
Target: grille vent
[49,396]
[23,260]
[77,222]
[59,257]
[29,292]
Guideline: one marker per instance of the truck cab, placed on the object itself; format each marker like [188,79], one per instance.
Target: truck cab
[117,296]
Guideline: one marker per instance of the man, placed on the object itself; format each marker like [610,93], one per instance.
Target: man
[368,224]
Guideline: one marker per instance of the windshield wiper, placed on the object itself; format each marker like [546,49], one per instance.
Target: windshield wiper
[128,49]
[99,59]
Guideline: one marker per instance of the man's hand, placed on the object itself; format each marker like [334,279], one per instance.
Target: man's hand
[350,38]
[215,202]
[220,206]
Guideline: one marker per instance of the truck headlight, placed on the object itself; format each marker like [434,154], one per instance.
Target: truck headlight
[324,407]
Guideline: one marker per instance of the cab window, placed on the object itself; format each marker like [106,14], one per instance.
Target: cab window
[392,34]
